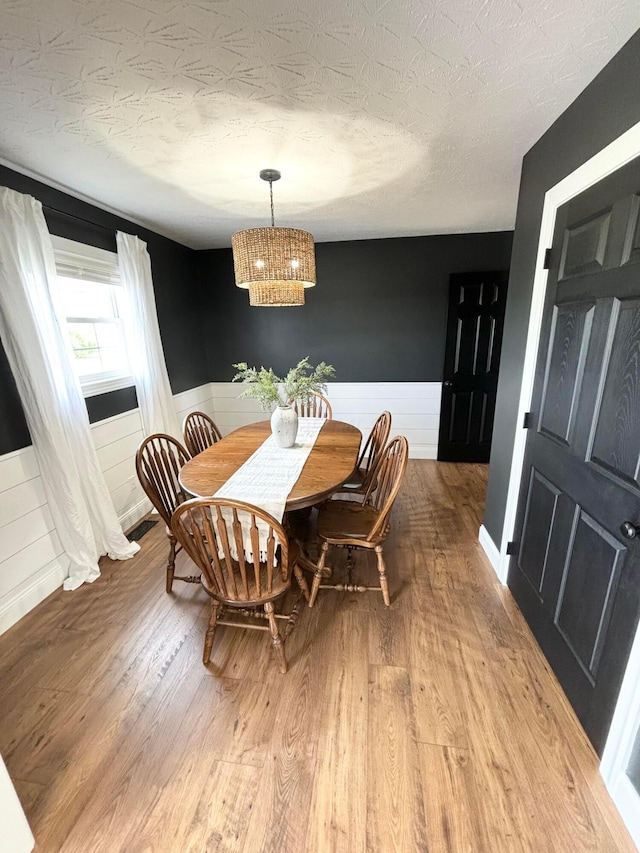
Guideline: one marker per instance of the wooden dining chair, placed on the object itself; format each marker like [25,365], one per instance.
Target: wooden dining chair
[359,481]
[159,459]
[246,560]
[316,407]
[199,432]
[349,524]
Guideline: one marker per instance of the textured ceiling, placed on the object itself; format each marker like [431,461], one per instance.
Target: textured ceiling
[386,117]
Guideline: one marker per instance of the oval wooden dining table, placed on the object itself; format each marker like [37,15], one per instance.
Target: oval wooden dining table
[330,463]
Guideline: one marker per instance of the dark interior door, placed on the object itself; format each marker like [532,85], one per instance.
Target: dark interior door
[576,575]
[472,357]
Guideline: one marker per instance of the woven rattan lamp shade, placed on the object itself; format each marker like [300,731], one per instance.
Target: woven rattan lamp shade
[274,294]
[275,264]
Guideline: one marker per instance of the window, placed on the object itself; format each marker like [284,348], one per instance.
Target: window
[91,298]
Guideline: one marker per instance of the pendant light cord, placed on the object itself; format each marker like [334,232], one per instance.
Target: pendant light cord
[271,197]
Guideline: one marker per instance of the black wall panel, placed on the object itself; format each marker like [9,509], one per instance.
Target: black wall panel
[378,312]
[103,406]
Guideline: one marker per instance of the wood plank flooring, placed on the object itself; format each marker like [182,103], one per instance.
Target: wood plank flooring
[434,725]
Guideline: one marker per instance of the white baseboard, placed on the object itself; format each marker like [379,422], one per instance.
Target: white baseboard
[135,513]
[32,591]
[493,554]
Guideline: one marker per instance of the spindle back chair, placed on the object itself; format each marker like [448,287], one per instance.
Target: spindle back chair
[349,524]
[246,561]
[199,432]
[360,480]
[316,407]
[159,459]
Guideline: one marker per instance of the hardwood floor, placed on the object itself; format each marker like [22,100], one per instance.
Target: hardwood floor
[433,725]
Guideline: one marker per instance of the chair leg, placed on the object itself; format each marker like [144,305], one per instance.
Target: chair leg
[276,639]
[383,576]
[211,629]
[317,578]
[171,564]
[349,566]
[301,582]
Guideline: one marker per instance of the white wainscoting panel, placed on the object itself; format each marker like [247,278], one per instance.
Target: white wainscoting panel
[32,561]
[116,440]
[198,399]
[414,407]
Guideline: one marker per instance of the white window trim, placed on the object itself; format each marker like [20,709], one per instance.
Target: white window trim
[95,386]
[102,265]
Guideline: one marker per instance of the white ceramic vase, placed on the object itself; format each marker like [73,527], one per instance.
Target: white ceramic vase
[284,426]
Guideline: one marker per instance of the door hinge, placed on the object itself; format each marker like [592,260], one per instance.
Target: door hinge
[527,421]
[512,548]
[547,259]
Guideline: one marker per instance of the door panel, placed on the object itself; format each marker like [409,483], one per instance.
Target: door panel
[467,344]
[631,252]
[486,418]
[571,331]
[588,589]
[472,358]
[576,577]
[542,505]
[460,421]
[584,246]
[617,417]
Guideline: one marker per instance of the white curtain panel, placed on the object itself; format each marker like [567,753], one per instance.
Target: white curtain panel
[40,359]
[144,343]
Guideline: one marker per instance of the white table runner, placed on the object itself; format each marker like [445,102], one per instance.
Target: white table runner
[267,477]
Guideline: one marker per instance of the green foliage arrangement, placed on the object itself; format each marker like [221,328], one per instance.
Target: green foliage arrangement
[300,383]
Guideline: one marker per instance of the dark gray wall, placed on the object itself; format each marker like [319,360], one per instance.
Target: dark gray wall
[606,108]
[378,312]
[176,291]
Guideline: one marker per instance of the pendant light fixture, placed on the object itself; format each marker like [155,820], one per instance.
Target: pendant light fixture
[274,264]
